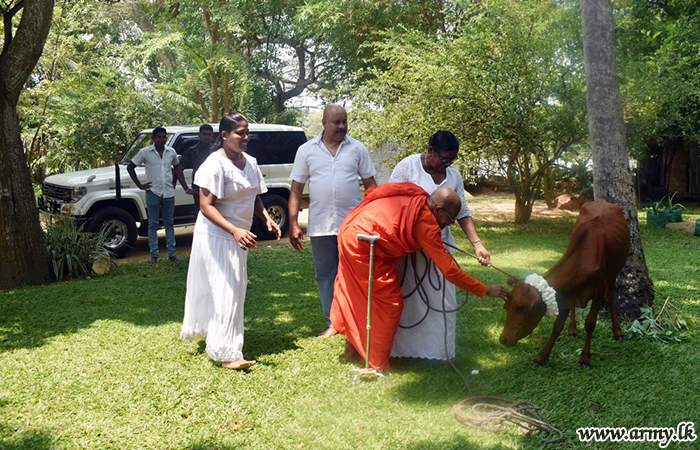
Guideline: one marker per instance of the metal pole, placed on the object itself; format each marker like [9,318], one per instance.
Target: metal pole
[369,299]
[117,181]
[368,371]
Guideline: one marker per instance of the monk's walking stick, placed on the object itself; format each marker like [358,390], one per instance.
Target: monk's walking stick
[368,371]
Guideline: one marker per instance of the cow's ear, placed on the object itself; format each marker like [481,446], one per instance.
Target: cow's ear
[511,281]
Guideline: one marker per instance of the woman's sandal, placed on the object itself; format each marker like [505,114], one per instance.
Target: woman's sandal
[238,364]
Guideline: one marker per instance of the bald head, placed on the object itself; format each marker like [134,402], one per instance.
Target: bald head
[335,124]
[445,205]
[331,109]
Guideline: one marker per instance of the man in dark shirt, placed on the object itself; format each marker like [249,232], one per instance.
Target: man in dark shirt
[193,158]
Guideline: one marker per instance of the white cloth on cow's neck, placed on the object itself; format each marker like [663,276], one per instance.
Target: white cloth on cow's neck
[549,296]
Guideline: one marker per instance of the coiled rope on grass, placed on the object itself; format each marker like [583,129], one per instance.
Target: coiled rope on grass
[496,414]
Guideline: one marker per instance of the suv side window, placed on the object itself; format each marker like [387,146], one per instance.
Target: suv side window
[185,142]
[270,147]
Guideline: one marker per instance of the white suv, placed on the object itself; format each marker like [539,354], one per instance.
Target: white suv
[107,196]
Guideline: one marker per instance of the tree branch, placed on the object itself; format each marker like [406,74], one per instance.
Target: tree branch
[19,58]
[7,15]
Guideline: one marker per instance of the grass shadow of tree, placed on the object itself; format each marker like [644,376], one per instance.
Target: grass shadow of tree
[135,293]
[146,295]
[285,307]
[25,440]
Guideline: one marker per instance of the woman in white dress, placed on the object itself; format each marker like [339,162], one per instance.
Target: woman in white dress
[230,183]
[422,330]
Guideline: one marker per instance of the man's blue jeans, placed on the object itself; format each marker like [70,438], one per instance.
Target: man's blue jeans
[155,205]
[325,250]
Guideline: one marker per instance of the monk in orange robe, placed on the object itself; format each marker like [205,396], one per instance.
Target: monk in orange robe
[407,220]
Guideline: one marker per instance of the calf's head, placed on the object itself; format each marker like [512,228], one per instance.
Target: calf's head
[525,310]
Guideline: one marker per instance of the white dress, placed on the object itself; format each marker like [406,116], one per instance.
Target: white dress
[427,339]
[218,275]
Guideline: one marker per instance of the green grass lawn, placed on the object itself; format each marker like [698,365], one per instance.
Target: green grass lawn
[98,363]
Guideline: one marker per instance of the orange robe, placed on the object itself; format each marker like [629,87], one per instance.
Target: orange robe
[399,214]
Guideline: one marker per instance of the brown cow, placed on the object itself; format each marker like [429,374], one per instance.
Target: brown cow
[597,251]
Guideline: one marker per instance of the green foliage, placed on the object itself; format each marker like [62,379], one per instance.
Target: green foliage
[665,204]
[575,178]
[669,325]
[87,124]
[110,68]
[667,201]
[352,27]
[500,82]
[89,95]
[71,252]
[659,49]
[313,123]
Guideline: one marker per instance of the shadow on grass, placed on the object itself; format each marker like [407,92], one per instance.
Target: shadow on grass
[282,302]
[135,293]
[31,440]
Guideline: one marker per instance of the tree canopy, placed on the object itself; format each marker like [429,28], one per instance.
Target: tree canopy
[506,76]
[499,80]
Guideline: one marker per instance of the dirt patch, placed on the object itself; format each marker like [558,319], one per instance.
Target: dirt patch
[500,207]
[687,226]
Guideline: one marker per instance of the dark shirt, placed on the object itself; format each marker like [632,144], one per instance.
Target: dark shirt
[195,156]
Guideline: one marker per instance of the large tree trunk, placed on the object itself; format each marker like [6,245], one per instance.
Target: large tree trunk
[612,180]
[523,209]
[22,247]
[21,239]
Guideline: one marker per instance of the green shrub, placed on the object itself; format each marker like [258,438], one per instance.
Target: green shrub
[72,251]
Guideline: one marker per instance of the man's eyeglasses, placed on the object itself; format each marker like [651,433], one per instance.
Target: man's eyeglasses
[452,219]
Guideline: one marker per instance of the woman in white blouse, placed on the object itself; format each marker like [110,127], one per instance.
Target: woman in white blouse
[230,184]
[422,330]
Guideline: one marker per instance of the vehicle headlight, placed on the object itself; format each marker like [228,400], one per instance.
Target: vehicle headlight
[78,193]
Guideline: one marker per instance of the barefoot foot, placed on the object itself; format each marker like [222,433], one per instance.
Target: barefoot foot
[350,353]
[237,364]
[330,331]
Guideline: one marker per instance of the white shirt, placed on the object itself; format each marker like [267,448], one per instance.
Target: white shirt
[333,185]
[410,170]
[235,191]
[158,170]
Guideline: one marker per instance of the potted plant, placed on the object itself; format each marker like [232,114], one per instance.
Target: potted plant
[674,211]
[657,217]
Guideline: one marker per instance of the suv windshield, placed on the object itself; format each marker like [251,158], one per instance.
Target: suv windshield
[142,140]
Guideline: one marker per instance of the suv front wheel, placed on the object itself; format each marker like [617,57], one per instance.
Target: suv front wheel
[278,209]
[122,229]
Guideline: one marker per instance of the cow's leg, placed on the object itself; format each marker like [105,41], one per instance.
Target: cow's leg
[610,300]
[559,322]
[585,359]
[573,332]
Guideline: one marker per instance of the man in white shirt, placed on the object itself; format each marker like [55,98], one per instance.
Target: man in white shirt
[332,163]
[158,159]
